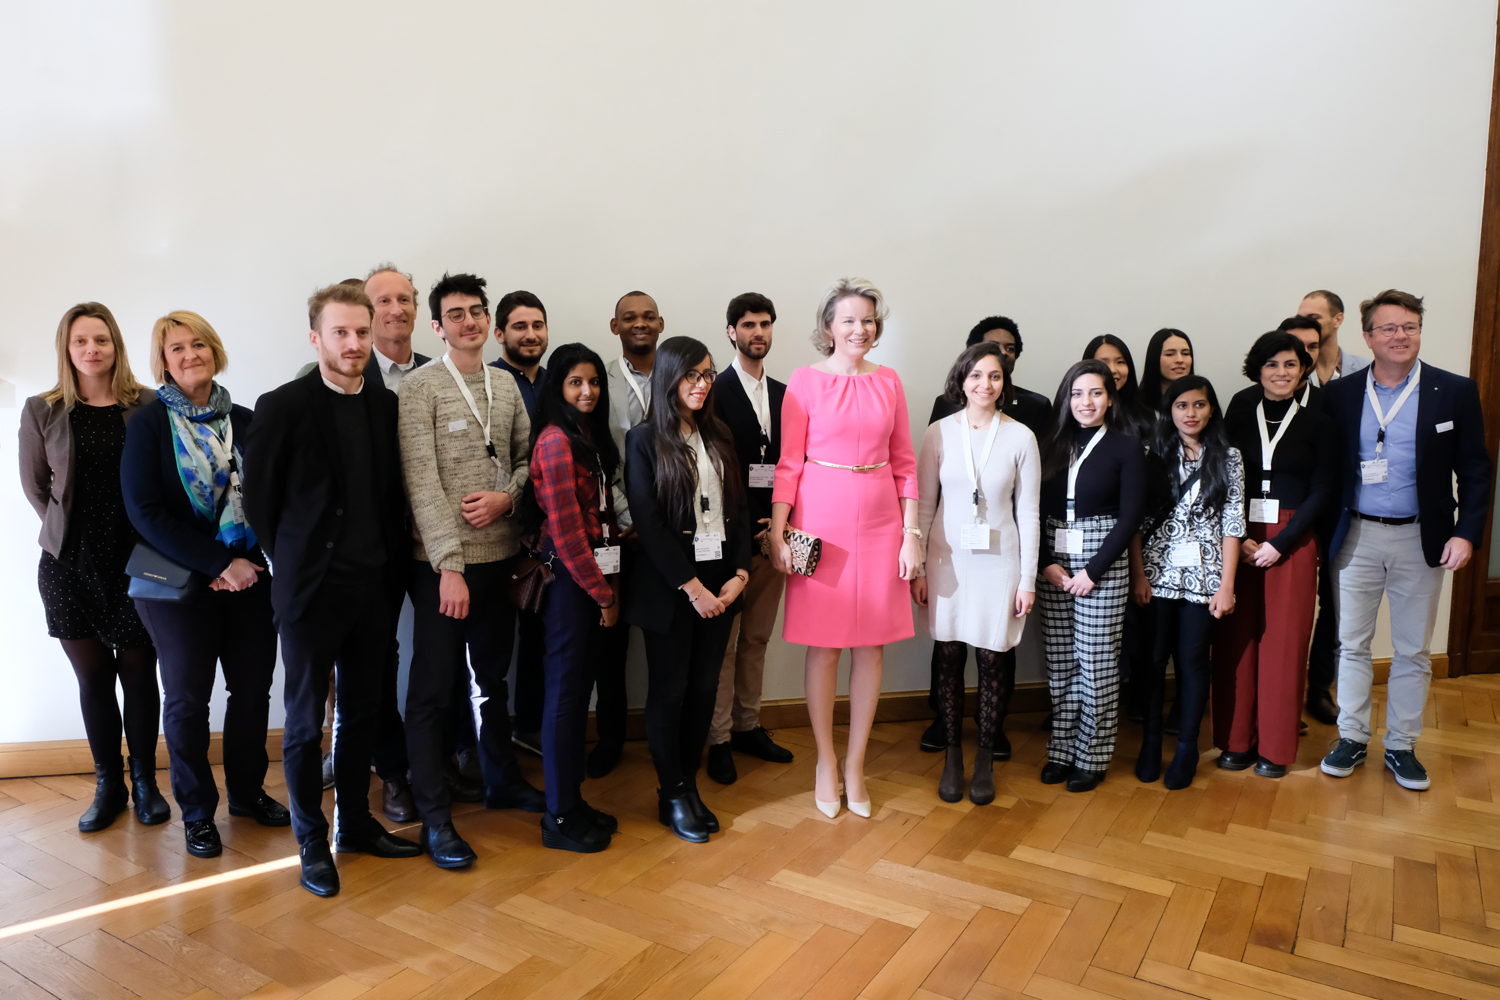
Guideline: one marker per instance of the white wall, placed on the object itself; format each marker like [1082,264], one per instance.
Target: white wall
[1085,167]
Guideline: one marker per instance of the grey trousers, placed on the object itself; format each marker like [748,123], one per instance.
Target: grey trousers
[1381,560]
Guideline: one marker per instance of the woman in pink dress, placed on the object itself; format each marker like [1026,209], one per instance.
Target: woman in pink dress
[848,476]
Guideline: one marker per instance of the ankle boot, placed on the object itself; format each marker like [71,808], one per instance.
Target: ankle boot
[1184,765]
[675,811]
[110,796]
[982,788]
[951,784]
[1148,761]
[150,807]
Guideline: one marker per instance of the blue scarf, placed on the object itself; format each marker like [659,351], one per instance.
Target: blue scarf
[198,434]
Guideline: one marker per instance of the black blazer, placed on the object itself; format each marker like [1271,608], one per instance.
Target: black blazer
[155,501]
[372,367]
[733,407]
[1445,399]
[294,489]
[1032,409]
[666,562]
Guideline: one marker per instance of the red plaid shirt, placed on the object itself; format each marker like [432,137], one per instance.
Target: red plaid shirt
[568,493]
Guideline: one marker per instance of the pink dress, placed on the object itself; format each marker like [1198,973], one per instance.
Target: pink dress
[856,597]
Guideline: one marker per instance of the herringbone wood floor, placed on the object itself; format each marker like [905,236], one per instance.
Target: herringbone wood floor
[1238,887]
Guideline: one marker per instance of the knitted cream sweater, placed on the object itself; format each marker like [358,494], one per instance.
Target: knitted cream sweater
[443,460]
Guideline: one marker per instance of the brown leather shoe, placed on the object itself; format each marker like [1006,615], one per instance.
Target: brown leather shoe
[396,802]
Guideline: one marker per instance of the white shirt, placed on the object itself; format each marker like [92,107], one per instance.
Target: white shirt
[710,521]
[339,389]
[392,372]
[755,389]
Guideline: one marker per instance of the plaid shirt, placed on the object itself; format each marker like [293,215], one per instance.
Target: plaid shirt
[568,493]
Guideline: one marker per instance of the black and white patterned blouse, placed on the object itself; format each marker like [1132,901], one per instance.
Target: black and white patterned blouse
[1190,523]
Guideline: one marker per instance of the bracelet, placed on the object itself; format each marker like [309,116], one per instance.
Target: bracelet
[912,529]
[742,576]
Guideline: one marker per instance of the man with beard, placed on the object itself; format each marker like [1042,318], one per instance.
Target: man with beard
[749,401]
[639,325]
[521,329]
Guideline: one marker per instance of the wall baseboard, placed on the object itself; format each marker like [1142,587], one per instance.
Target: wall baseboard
[35,760]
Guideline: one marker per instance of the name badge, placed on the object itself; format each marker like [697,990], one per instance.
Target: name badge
[1265,511]
[608,558]
[707,548]
[1373,471]
[1186,554]
[1069,540]
[975,536]
[457,425]
[762,475]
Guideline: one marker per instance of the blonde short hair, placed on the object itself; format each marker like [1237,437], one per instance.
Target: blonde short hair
[845,288]
[126,389]
[200,328]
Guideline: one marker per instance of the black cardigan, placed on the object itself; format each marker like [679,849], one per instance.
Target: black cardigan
[1304,470]
[1111,482]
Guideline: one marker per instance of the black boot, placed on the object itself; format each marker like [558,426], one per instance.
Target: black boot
[150,807]
[110,796]
[1184,765]
[705,815]
[982,788]
[1148,762]
[951,784]
[677,814]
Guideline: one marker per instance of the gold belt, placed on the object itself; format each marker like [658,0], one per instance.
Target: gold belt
[849,468]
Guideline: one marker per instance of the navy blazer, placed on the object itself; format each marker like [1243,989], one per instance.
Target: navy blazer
[155,501]
[294,488]
[372,367]
[1443,399]
[732,404]
[665,561]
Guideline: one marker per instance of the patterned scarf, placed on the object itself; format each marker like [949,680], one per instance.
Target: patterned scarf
[203,461]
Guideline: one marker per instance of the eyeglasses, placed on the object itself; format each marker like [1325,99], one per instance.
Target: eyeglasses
[705,377]
[1389,329]
[457,315]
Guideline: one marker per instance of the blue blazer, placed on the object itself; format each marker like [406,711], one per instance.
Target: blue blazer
[1444,399]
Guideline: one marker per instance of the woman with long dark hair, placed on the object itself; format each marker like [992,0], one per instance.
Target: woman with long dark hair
[1169,357]
[1136,417]
[687,501]
[1191,553]
[1093,497]
[71,440]
[570,509]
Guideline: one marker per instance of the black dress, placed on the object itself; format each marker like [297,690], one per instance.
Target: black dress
[84,591]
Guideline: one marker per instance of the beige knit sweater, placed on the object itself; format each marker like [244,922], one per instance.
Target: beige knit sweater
[443,460]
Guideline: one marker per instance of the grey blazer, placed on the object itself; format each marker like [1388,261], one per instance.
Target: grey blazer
[47,464]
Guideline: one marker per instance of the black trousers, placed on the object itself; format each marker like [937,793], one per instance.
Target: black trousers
[216,627]
[572,636]
[438,646]
[1183,630]
[530,673]
[388,752]
[1323,657]
[347,629]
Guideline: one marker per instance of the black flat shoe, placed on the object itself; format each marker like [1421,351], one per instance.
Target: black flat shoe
[720,766]
[1001,749]
[1321,707]
[1266,769]
[373,839]
[599,818]
[202,838]
[516,795]
[150,807]
[705,815]
[934,738]
[319,874]
[1231,760]
[1084,781]
[446,848]
[264,810]
[604,758]
[757,742]
[573,831]
[1054,773]
[676,814]
[462,787]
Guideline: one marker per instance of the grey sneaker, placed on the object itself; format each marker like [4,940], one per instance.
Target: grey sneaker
[1408,770]
[1345,756]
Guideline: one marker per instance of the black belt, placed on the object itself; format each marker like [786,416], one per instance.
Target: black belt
[1386,520]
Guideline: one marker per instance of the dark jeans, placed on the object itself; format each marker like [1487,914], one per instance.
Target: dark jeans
[438,649]
[1183,630]
[235,630]
[572,637]
[347,629]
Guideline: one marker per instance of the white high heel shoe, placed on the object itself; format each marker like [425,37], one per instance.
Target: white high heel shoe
[860,809]
[829,809]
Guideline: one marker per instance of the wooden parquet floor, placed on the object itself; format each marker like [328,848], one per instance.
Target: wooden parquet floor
[1238,887]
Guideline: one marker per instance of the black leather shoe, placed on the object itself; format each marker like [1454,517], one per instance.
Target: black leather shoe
[721,764]
[1266,769]
[603,758]
[446,848]
[676,814]
[110,797]
[1084,781]
[1231,760]
[705,815]
[599,818]
[460,787]
[396,801]
[1001,749]
[757,742]
[319,875]
[150,807]
[1321,707]
[573,831]
[934,737]
[264,810]
[373,839]
[1054,773]
[202,838]
[516,795]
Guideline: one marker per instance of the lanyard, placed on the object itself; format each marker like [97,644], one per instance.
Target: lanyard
[1307,390]
[1073,470]
[1268,444]
[1383,419]
[984,458]
[489,401]
[604,501]
[640,394]
[227,456]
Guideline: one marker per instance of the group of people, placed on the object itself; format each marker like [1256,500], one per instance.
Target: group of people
[659,491]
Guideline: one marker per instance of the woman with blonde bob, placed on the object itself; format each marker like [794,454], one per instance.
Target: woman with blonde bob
[181,479]
[848,476]
[71,440]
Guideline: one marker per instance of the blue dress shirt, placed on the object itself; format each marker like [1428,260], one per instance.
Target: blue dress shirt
[1397,496]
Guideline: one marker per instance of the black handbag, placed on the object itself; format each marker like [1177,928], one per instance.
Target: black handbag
[154,577]
[528,583]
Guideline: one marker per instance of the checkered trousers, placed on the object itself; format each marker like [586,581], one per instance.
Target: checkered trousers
[1082,637]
